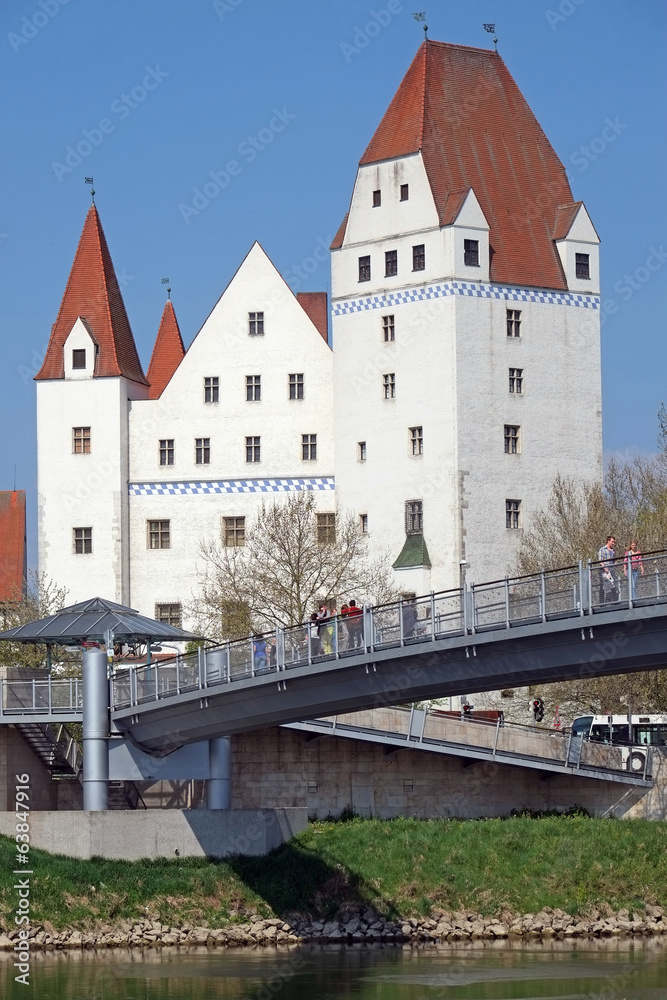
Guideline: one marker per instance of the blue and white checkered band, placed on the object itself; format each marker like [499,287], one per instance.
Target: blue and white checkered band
[474,289]
[230,486]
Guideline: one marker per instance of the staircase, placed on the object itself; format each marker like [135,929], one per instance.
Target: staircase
[54,745]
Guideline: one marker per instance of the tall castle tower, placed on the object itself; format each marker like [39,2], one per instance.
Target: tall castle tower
[465,285]
[90,370]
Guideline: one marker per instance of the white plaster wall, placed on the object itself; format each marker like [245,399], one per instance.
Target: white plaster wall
[393,217]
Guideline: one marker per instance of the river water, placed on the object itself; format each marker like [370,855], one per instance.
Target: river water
[600,969]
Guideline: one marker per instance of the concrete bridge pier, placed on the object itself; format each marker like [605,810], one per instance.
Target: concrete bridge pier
[219,784]
[95,731]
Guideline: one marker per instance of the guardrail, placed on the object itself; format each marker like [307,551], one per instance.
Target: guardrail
[48,696]
[574,591]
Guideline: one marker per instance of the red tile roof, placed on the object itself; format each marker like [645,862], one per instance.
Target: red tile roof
[93,294]
[462,109]
[314,304]
[12,545]
[565,216]
[168,352]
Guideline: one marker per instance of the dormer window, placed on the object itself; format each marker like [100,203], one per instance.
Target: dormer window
[377,199]
[471,253]
[79,356]
[582,266]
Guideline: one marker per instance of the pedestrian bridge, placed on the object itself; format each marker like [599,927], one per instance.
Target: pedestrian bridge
[552,626]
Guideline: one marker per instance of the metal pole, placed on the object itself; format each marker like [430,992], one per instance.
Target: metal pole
[95,731]
[219,784]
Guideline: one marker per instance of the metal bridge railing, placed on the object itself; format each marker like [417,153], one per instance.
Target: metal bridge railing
[573,591]
[41,697]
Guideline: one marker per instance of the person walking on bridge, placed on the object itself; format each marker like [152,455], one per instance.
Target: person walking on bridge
[607,559]
[633,566]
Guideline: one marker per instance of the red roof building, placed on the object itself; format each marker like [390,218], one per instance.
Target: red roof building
[13,550]
[168,352]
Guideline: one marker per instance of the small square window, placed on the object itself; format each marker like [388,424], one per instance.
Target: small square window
[169,614]
[365,268]
[390,263]
[166,451]
[513,322]
[159,535]
[511,439]
[388,330]
[202,451]
[83,541]
[513,514]
[582,265]
[211,389]
[405,192]
[234,531]
[363,524]
[312,786]
[389,385]
[79,358]
[81,440]
[416,441]
[256,324]
[419,257]
[296,386]
[361,451]
[516,380]
[471,253]
[253,388]
[408,784]
[309,447]
[377,199]
[252,449]
[414,517]
[326,529]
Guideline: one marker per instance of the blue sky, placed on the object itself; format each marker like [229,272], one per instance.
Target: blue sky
[182,88]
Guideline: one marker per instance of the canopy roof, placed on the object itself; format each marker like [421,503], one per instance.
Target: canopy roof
[90,620]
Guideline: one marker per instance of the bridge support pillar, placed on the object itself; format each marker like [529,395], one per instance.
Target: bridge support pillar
[95,731]
[219,784]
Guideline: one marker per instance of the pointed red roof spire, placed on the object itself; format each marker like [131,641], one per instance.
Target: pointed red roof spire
[93,294]
[168,352]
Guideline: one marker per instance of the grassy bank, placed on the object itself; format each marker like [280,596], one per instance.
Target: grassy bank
[400,867]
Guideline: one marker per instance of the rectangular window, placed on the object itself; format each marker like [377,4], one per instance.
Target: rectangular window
[170,614]
[83,541]
[234,531]
[513,322]
[296,386]
[326,529]
[79,358]
[363,523]
[211,389]
[81,440]
[512,513]
[511,439]
[414,517]
[364,269]
[159,535]
[388,329]
[361,451]
[471,253]
[389,385]
[516,380]
[252,449]
[417,440]
[582,265]
[309,447]
[377,199]
[419,257]
[390,263]
[256,324]
[202,451]
[166,451]
[405,192]
[253,388]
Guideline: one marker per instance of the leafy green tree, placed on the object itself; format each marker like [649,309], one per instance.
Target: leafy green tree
[43,598]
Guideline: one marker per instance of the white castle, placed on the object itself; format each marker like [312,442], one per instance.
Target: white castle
[464,374]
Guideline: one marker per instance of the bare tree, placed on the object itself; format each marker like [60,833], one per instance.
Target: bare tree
[290,561]
[43,597]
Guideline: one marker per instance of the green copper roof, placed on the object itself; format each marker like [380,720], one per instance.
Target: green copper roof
[413,553]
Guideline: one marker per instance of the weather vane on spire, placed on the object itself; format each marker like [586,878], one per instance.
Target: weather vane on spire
[491,29]
[421,16]
[165,281]
[89,180]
